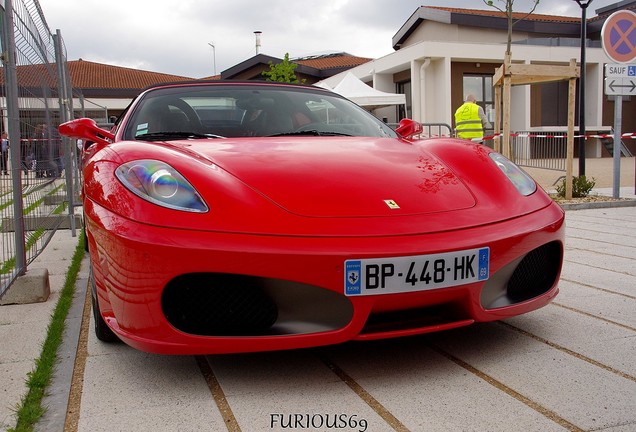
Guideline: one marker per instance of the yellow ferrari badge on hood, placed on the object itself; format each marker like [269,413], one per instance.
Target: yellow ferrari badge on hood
[392,204]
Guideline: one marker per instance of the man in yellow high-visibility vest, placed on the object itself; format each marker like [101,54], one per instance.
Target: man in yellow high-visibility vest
[470,119]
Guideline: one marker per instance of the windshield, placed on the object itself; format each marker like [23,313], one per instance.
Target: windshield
[247,110]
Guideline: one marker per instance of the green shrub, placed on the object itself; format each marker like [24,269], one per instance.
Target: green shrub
[581,187]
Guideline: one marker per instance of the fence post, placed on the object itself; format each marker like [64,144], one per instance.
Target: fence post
[65,102]
[13,116]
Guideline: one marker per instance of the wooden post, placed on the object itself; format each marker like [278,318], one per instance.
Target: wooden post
[497,139]
[510,74]
[570,141]
[505,142]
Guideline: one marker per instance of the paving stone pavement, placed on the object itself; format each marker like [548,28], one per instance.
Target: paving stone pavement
[568,366]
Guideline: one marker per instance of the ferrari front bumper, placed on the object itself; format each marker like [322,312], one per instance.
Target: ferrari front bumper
[177,291]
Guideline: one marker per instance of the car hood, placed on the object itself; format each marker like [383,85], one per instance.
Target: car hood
[341,176]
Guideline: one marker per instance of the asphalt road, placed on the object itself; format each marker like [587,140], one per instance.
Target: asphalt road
[569,366]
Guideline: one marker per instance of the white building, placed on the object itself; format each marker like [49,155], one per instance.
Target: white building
[442,54]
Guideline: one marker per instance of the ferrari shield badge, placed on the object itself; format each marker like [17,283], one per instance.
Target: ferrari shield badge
[392,204]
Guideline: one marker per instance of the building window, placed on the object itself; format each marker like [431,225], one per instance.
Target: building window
[481,87]
[402,111]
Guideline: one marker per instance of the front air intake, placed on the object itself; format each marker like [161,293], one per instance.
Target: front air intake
[527,277]
[536,273]
[217,304]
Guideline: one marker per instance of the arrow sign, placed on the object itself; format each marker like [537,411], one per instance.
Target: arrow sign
[620,86]
[620,79]
[615,87]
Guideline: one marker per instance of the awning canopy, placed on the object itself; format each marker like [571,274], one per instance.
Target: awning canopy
[355,90]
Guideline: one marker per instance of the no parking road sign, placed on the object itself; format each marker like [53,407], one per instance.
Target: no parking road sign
[618,36]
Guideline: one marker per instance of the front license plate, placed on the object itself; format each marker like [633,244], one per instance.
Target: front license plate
[416,273]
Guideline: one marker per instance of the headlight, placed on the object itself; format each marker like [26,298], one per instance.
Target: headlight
[160,184]
[522,181]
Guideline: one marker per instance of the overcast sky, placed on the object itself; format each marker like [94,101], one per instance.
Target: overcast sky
[173,36]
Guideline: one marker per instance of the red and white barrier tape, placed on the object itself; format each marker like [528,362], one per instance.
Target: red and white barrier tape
[631,135]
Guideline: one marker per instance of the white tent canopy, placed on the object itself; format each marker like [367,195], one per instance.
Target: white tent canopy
[355,90]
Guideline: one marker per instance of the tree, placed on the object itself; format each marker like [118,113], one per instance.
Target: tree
[282,72]
[508,11]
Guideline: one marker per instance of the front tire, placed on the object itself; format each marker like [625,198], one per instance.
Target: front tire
[102,331]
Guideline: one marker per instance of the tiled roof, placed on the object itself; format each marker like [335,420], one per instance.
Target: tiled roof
[89,75]
[515,15]
[311,68]
[332,61]
[33,76]
[86,74]
[559,26]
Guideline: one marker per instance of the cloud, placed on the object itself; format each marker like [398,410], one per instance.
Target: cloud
[172,37]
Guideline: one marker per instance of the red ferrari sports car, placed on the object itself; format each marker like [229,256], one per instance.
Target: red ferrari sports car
[230,217]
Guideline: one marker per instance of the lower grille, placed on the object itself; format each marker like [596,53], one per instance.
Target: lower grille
[216,304]
[527,277]
[536,273]
[421,320]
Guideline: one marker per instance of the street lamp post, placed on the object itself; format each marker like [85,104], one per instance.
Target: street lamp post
[583,4]
[213,55]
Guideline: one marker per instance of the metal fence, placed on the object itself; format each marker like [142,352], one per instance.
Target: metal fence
[38,173]
[546,150]
[436,130]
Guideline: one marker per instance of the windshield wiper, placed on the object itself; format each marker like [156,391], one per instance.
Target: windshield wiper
[311,132]
[172,135]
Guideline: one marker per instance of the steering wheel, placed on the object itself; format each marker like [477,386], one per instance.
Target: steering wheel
[189,112]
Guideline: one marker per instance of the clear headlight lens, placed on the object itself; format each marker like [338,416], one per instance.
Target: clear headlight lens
[160,184]
[522,181]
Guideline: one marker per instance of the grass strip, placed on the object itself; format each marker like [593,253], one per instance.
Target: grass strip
[9,265]
[38,202]
[33,237]
[25,195]
[30,408]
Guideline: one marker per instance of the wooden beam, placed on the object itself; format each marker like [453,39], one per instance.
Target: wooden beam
[498,76]
[521,74]
[536,79]
[557,72]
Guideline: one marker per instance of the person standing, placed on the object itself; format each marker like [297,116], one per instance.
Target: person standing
[470,119]
[26,157]
[4,157]
[40,151]
[57,151]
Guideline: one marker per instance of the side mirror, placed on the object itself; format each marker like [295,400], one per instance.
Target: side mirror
[408,128]
[86,129]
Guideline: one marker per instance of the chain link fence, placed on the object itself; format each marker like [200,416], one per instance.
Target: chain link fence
[38,171]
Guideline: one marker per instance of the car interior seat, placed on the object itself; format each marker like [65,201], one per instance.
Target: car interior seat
[160,117]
